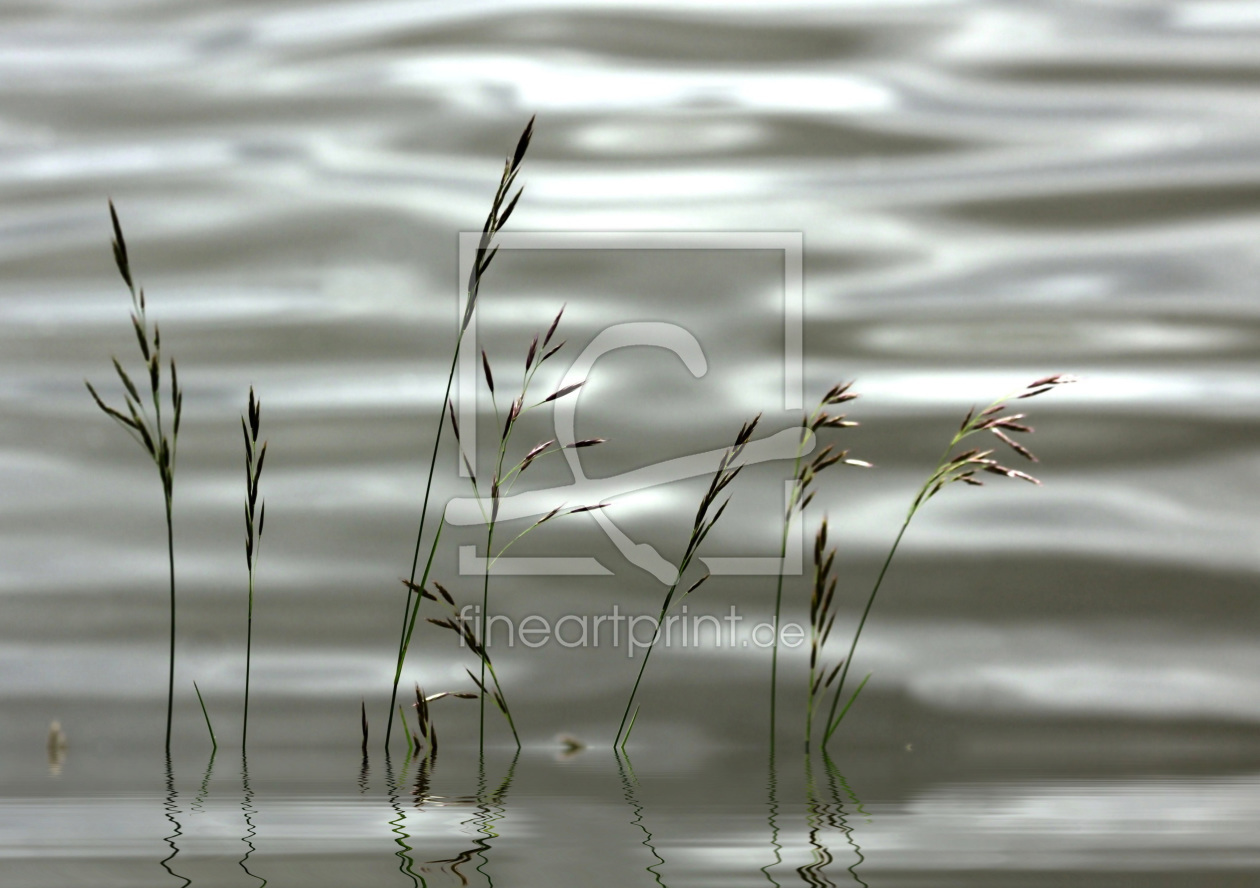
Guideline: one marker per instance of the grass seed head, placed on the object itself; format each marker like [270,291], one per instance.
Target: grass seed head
[533,349]
[120,248]
[567,390]
[551,331]
[485,366]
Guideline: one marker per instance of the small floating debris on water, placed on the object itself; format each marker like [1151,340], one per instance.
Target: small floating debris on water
[56,748]
[569,746]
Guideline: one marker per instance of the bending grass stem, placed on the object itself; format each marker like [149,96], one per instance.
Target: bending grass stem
[620,741]
[920,498]
[959,467]
[409,621]
[499,213]
[843,712]
[409,615]
[726,473]
[832,721]
[214,743]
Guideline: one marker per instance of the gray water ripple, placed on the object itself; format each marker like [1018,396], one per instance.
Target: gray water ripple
[988,192]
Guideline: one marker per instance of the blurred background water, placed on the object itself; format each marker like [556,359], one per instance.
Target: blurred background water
[1065,679]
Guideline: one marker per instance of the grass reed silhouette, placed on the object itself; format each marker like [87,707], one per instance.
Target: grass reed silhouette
[468,637]
[500,210]
[822,617]
[143,419]
[147,428]
[255,516]
[803,476]
[504,479]
[214,743]
[726,472]
[950,468]
[425,738]
[426,731]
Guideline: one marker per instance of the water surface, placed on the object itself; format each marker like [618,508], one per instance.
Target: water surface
[1064,679]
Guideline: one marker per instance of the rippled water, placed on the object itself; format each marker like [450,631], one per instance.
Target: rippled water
[1064,678]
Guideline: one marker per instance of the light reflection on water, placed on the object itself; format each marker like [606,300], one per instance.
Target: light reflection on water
[988,193]
[544,818]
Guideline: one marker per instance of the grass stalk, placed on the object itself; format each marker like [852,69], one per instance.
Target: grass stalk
[820,622]
[726,473]
[411,609]
[500,209]
[406,732]
[950,468]
[485,660]
[145,425]
[209,727]
[502,481]
[822,618]
[255,517]
[630,727]
[803,476]
[835,722]
[170,673]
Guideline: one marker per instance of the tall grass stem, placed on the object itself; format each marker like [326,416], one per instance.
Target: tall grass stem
[255,520]
[501,208]
[145,428]
[726,473]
